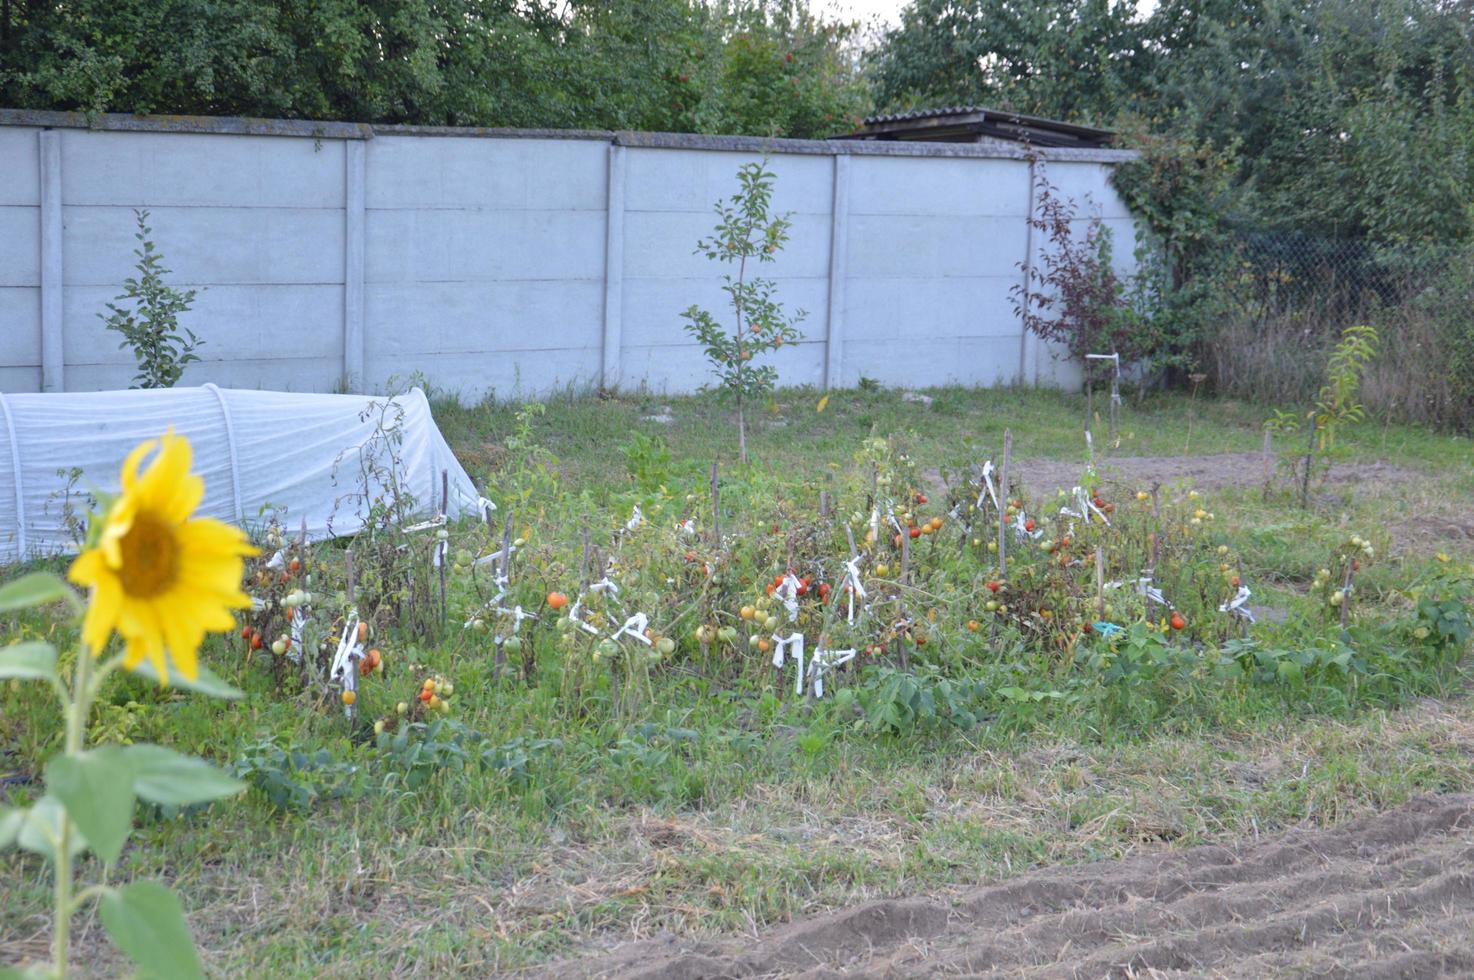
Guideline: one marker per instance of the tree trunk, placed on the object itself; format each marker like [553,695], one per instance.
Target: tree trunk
[741,432]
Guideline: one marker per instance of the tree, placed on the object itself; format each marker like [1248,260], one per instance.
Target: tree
[150,324]
[746,232]
[1066,59]
[752,66]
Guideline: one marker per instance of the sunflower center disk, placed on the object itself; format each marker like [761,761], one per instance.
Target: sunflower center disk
[150,557]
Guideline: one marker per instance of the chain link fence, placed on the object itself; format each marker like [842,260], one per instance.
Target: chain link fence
[1282,299]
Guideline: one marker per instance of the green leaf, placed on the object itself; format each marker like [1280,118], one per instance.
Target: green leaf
[11,821]
[147,922]
[97,789]
[42,830]
[164,776]
[207,683]
[33,660]
[37,589]
[31,971]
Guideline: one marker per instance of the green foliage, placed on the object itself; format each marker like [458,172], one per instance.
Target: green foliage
[762,68]
[1072,296]
[897,702]
[150,324]
[1444,608]
[746,232]
[294,778]
[1066,59]
[709,746]
[147,922]
[647,458]
[89,802]
[1336,405]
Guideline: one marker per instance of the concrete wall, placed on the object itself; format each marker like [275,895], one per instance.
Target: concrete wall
[336,256]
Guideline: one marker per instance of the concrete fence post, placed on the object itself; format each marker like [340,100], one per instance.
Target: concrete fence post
[53,340]
[1028,349]
[838,254]
[355,178]
[613,270]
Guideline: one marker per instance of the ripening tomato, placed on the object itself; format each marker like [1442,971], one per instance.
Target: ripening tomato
[1178,622]
[557,600]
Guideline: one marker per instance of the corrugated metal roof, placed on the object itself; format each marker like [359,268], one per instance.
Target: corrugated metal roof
[967,123]
[924,113]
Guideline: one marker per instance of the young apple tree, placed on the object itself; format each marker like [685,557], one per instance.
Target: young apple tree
[746,231]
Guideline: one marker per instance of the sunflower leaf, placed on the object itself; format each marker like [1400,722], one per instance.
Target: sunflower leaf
[147,922]
[37,589]
[206,683]
[166,777]
[33,660]
[42,830]
[96,788]
[11,821]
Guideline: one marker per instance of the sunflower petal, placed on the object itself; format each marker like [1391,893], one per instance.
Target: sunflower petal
[134,460]
[103,609]
[183,637]
[168,488]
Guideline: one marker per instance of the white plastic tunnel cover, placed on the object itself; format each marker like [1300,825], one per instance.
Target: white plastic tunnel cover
[323,457]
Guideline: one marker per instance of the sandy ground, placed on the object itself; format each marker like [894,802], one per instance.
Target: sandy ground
[1390,895]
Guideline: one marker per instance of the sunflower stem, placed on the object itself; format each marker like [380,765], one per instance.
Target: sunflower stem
[76,717]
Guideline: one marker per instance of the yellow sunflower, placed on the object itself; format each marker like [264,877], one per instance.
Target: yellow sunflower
[159,578]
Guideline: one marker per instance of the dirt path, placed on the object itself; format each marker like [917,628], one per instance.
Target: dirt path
[1390,895]
[1213,472]
[1439,521]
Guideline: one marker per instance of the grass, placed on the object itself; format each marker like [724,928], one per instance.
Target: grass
[717,804]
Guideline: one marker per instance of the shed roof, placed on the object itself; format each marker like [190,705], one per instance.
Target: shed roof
[972,124]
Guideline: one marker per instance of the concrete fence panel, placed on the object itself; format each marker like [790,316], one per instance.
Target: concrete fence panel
[331,257]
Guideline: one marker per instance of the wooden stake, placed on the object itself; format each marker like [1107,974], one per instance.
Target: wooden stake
[352,578]
[716,510]
[1003,506]
[504,573]
[1099,582]
[1309,461]
[443,552]
[1156,532]
[824,504]
[1268,458]
[1346,594]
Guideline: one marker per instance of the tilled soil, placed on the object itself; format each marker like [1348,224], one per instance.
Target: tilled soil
[1390,895]
[1212,472]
